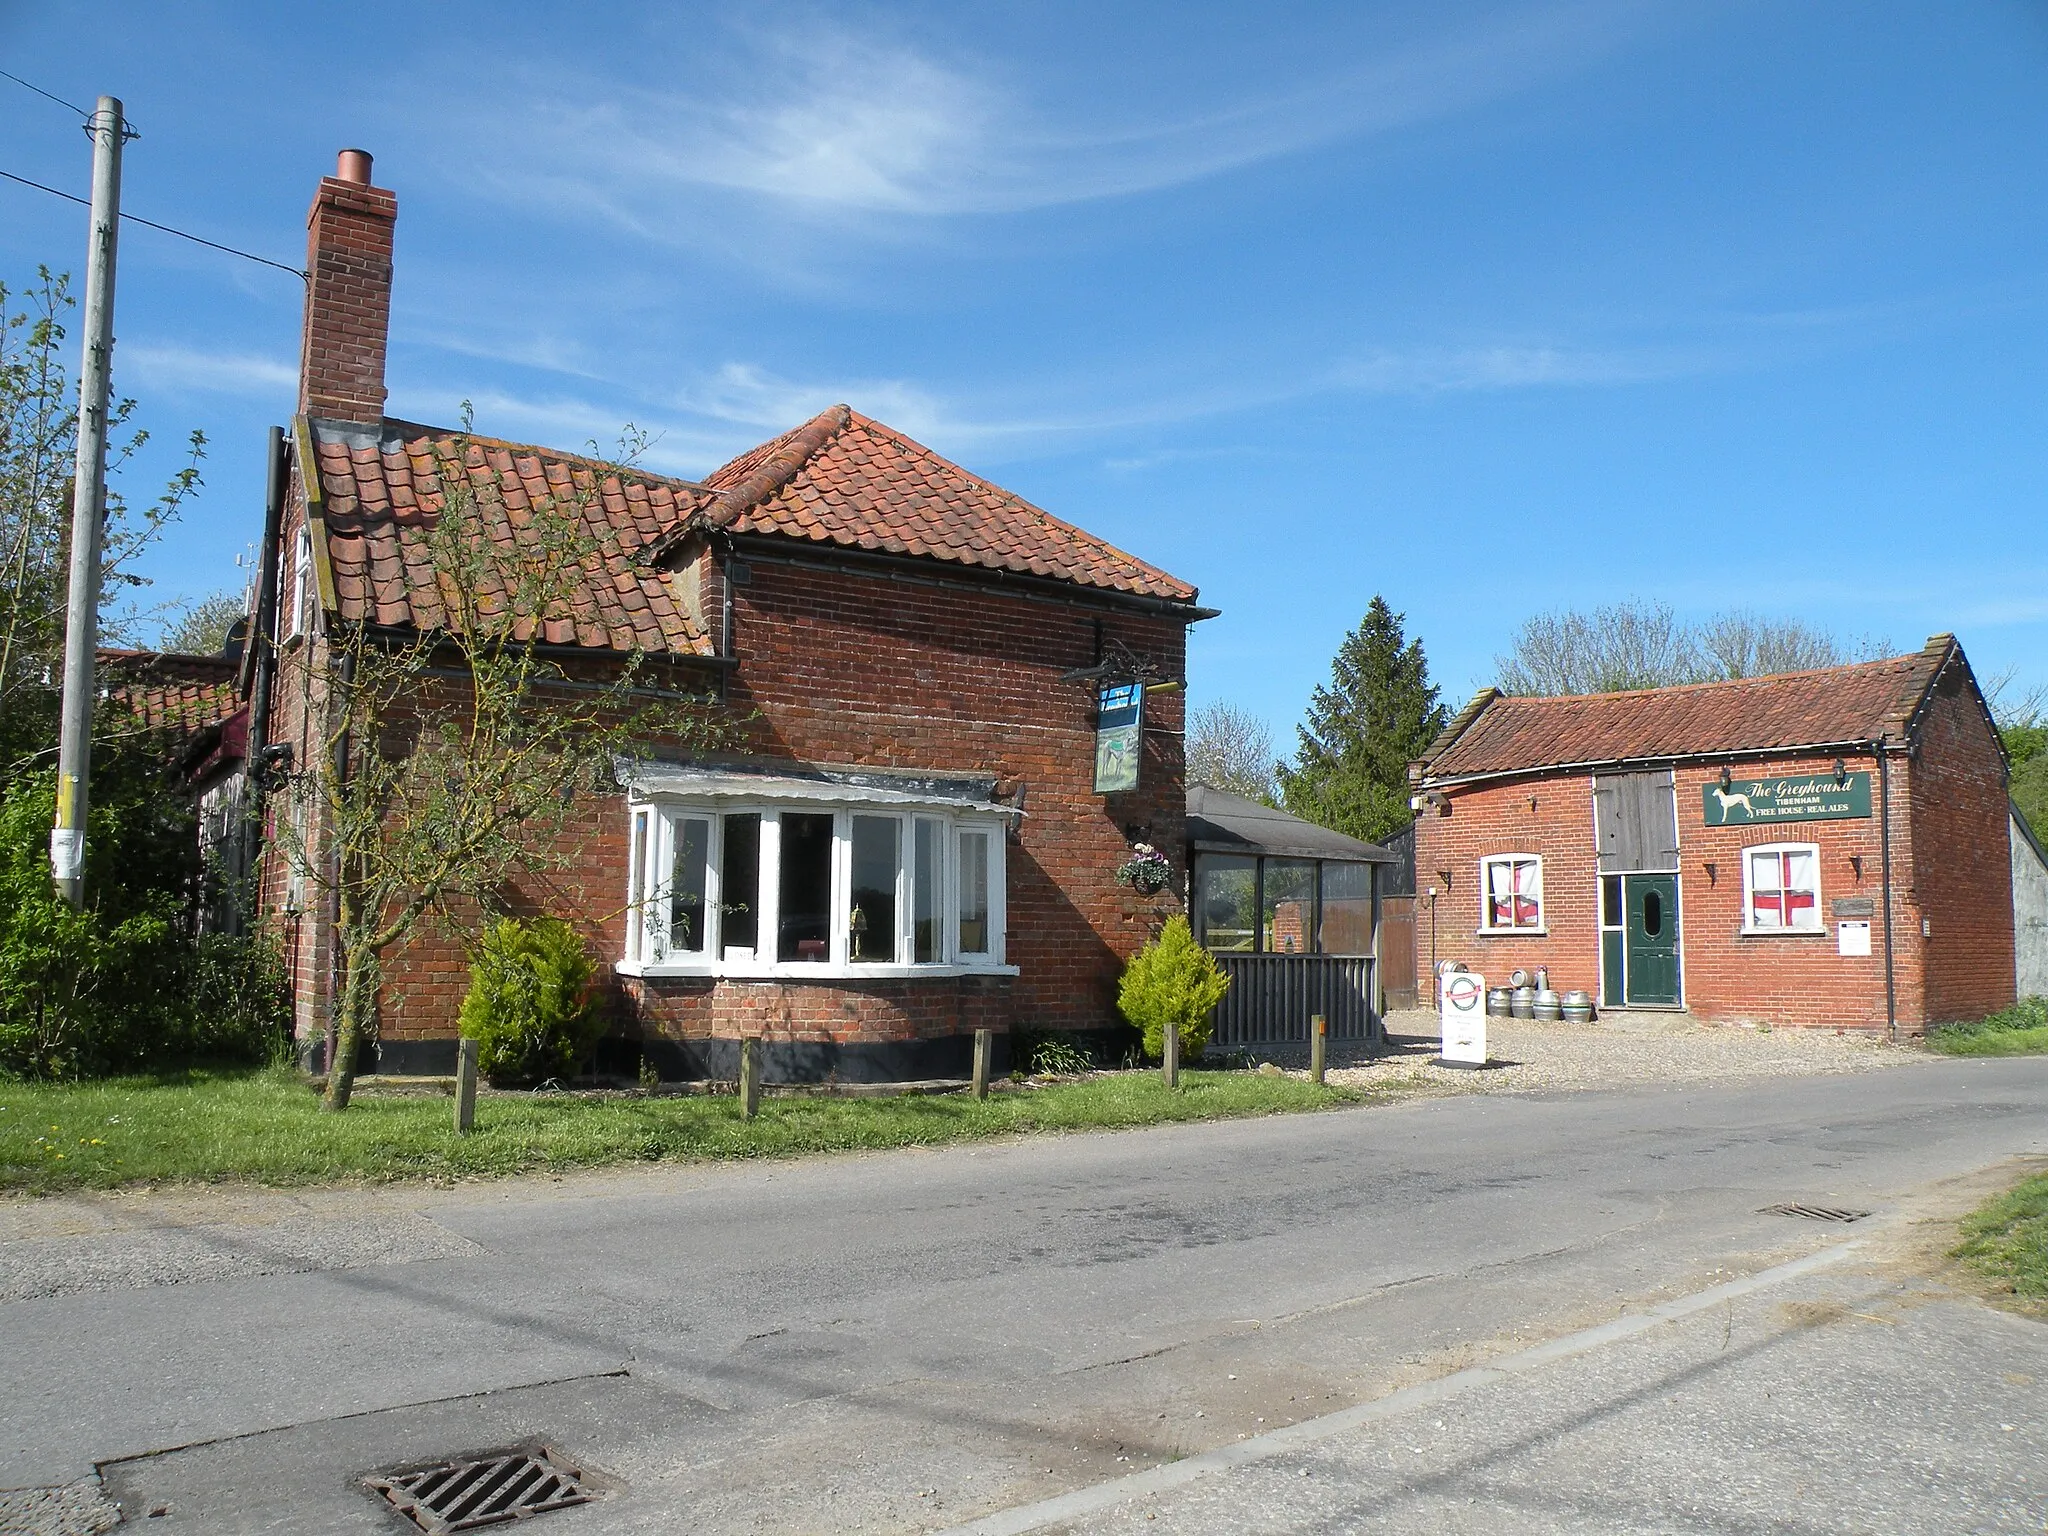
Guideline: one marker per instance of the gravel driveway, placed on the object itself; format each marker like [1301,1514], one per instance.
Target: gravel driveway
[1614,1052]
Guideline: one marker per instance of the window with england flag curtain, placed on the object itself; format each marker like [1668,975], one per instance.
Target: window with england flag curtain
[1511,893]
[1783,889]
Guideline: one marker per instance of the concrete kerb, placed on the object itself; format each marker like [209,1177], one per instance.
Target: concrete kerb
[1083,1502]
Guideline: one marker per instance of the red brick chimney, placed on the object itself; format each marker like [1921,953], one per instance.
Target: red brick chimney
[348,305]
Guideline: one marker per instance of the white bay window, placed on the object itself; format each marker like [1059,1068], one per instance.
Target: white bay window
[793,888]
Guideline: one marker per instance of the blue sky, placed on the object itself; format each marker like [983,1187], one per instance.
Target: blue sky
[1488,308]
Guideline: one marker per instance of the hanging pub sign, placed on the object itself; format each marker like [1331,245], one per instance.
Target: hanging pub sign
[1802,797]
[1119,726]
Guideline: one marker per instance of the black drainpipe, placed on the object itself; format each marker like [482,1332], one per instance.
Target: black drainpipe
[263,652]
[1884,802]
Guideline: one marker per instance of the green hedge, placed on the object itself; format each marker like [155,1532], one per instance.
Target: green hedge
[121,983]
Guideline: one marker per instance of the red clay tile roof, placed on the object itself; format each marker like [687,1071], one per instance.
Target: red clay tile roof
[380,490]
[1500,734]
[846,480]
[181,696]
[840,479]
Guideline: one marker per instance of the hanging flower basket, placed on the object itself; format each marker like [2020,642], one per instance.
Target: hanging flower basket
[1146,871]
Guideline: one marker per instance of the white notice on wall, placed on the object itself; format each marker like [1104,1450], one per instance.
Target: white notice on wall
[1852,936]
[1463,998]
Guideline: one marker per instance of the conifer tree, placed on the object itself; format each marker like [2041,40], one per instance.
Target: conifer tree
[1378,712]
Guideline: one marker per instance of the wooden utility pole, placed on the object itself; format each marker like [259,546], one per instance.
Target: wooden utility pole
[88,509]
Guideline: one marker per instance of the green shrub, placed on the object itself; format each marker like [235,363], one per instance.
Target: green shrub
[100,988]
[531,1008]
[1060,1055]
[1172,982]
[241,995]
[2021,1030]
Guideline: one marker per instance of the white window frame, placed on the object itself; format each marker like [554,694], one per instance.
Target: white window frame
[651,841]
[302,595]
[1541,927]
[1750,927]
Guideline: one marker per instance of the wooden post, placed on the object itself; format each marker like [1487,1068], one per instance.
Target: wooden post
[465,1087]
[1169,1067]
[1318,1038]
[750,1078]
[984,1048]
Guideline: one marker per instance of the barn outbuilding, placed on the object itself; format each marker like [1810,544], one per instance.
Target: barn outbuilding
[1824,848]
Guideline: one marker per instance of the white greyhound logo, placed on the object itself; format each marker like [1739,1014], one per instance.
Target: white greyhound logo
[1729,801]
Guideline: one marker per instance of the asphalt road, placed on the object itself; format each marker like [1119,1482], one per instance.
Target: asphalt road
[920,1340]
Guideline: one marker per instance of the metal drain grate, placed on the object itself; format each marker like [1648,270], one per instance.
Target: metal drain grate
[483,1490]
[1814,1212]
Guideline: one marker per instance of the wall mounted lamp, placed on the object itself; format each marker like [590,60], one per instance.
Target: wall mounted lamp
[1841,771]
[1727,779]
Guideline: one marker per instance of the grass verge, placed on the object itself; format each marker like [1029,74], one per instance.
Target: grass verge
[2021,1030]
[2006,1239]
[265,1127]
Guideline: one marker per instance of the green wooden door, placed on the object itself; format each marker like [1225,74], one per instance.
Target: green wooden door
[1652,938]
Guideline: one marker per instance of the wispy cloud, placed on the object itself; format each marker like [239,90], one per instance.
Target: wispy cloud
[172,367]
[1435,370]
[716,415]
[857,126]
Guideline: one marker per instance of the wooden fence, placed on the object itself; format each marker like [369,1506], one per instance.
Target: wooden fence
[1272,997]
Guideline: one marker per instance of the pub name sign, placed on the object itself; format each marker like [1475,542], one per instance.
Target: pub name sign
[1119,736]
[1797,797]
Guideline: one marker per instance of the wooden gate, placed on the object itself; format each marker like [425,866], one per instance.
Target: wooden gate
[1397,953]
[1272,998]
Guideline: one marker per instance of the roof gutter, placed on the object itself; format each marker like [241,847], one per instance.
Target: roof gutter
[1668,760]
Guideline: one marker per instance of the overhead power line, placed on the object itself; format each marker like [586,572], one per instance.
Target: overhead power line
[45,94]
[129,218]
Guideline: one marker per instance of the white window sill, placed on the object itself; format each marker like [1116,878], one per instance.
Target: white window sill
[1512,933]
[799,970]
[1781,933]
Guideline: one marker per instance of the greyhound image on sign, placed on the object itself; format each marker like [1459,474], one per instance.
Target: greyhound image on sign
[1463,998]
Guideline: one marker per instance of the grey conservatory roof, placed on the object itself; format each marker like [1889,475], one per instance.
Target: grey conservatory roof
[1220,822]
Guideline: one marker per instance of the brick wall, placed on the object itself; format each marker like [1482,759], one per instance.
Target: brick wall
[865,669]
[1797,979]
[856,668]
[1552,818]
[1961,817]
[1951,865]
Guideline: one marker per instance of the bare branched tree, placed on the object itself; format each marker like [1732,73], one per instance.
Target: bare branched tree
[2016,705]
[1626,645]
[1644,645]
[38,457]
[452,760]
[1743,643]
[1231,748]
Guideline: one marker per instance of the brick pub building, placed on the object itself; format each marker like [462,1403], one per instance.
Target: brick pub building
[903,843]
[1822,848]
